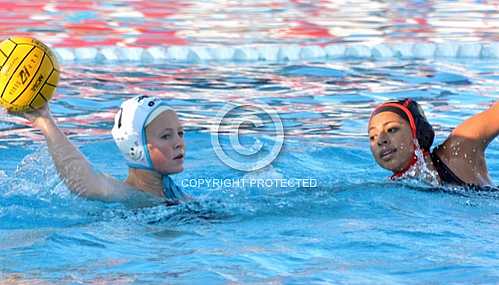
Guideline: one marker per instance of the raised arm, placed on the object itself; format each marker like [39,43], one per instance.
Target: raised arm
[464,150]
[72,166]
[480,129]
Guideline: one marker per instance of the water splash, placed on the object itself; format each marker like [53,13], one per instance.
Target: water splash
[420,172]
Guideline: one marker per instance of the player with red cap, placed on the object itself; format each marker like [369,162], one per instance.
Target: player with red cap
[398,130]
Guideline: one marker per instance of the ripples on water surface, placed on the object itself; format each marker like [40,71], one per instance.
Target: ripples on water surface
[155,22]
[355,227]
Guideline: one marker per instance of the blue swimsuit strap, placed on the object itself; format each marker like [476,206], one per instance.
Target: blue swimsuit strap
[171,190]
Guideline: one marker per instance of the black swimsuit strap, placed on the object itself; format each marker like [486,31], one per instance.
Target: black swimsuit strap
[446,175]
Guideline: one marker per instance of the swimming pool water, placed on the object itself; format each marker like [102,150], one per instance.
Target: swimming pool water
[355,227]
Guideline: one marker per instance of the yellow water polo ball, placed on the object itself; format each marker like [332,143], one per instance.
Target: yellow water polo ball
[29,73]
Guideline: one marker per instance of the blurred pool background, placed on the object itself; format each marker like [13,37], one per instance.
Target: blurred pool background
[355,227]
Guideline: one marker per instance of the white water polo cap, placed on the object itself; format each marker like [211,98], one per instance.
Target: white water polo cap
[129,130]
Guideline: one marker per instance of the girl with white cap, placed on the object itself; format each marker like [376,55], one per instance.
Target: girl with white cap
[149,135]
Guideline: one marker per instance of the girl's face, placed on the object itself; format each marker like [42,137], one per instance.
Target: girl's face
[391,141]
[165,143]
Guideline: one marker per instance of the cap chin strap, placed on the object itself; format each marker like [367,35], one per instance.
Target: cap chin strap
[413,161]
[400,173]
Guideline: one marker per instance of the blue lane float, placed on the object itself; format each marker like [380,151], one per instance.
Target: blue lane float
[279,53]
[317,71]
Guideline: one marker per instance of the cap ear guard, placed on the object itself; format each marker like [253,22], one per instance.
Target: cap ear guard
[423,131]
[135,152]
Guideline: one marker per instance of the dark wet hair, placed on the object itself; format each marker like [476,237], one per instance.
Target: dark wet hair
[412,112]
